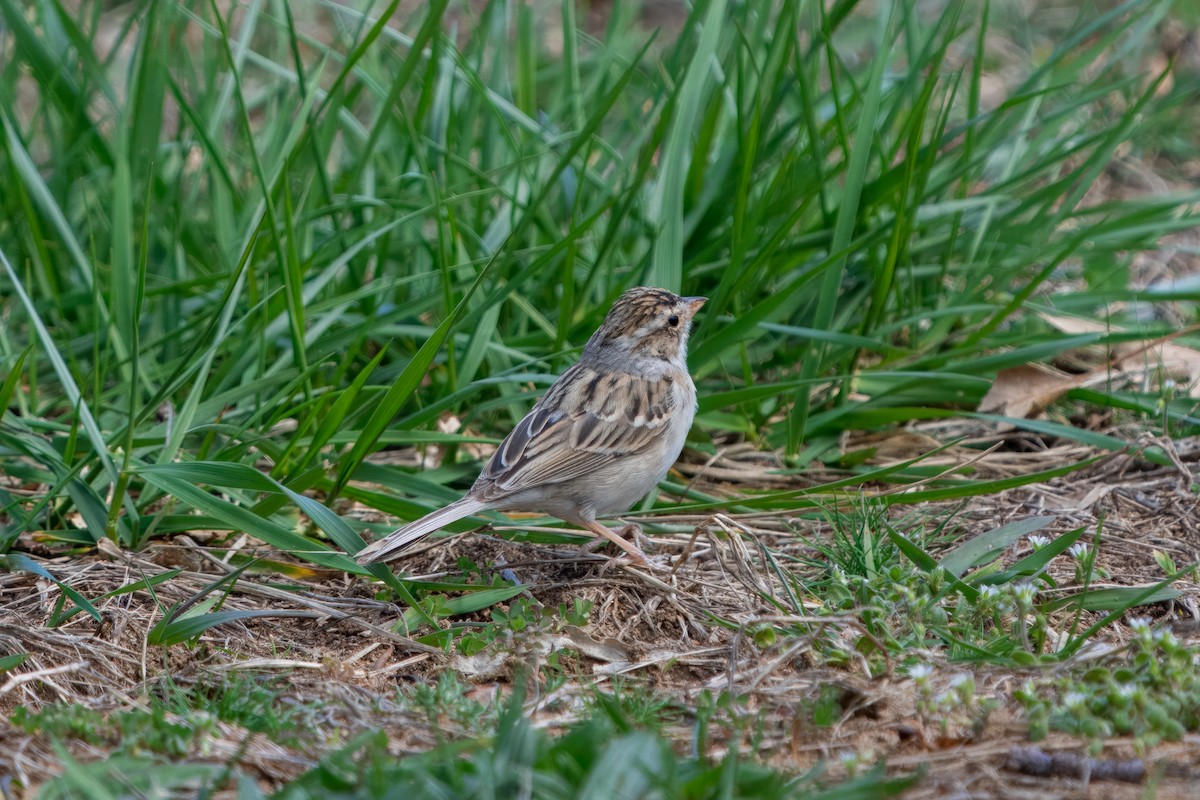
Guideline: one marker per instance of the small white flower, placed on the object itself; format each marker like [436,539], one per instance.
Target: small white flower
[1075,700]
[1140,625]
[1038,541]
[988,593]
[920,672]
[1079,551]
[852,760]
[961,678]
[1024,593]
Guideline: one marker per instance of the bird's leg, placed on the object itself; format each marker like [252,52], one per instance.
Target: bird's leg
[629,531]
[635,554]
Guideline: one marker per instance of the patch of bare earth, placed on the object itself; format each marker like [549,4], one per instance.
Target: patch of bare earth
[339,645]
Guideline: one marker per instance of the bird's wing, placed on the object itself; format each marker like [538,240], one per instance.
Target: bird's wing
[585,420]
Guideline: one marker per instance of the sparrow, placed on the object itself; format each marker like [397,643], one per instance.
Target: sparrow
[602,436]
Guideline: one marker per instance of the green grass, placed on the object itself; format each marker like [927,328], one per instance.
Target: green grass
[602,756]
[177,719]
[239,256]
[374,236]
[617,748]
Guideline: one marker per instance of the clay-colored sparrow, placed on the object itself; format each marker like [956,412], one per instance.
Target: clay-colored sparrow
[600,439]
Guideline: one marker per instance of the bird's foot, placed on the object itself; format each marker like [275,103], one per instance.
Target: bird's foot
[633,532]
[659,564]
[633,554]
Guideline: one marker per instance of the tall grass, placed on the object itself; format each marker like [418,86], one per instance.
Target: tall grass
[247,249]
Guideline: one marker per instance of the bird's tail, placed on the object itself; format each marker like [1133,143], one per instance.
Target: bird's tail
[390,546]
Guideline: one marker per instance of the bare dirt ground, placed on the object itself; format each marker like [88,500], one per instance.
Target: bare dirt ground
[340,647]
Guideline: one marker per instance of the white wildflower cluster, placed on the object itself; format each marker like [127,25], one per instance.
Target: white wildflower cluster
[1158,637]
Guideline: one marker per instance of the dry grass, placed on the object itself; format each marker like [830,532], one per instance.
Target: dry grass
[338,647]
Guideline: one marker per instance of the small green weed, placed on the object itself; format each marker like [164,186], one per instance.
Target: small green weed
[123,776]
[968,603]
[1151,694]
[631,706]
[259,704]
[177,719]
[133,732]
[597,757]
[523,616]
[956,708]
[448,702]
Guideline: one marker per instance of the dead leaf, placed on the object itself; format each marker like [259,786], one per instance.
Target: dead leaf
[1162,359]
[1157,358]
[1076,325]
[491,662]
[607,649]
[1026,390]
[487,664]
[890,446]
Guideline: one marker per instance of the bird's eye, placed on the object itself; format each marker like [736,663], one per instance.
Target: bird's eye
[673,320]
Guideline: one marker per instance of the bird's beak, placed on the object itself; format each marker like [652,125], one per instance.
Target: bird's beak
[694,303]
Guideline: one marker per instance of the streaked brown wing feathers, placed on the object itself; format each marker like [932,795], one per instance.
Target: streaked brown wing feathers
[612,415]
